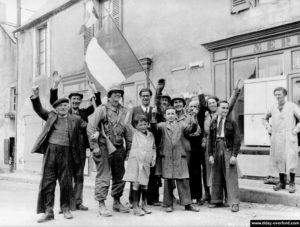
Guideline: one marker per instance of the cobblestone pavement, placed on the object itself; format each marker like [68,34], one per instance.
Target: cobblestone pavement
[18,206]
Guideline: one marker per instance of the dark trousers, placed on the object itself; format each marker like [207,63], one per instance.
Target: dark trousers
[78,176]
[56,166]
[224,176]
[183,191]
[153,187]
[195,173]
[109,166]
[204,169]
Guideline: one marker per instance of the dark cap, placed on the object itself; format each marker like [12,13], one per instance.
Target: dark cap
[59,101]
[76,94]
[145,90]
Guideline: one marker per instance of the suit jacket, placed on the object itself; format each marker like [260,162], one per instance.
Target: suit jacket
[139,111]
[74,125]
[231,134]
[84,113]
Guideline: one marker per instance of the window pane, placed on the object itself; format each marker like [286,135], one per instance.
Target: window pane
[296,59]
[244,69]
[220,81]
[270,66]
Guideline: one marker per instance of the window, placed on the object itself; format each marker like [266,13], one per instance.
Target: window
[42,50]
[296,59]
[242,69]
[269,66]
[13,99]
[220,80]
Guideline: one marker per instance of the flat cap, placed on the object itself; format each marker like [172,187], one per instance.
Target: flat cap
[76,94]
[59,101]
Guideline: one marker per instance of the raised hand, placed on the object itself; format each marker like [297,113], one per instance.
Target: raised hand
[200,90]
[92,86]
[160,85]
[56,79]
[239,84]
[36,91]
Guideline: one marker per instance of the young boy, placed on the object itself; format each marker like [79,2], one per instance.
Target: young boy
[142,156]
[174,159]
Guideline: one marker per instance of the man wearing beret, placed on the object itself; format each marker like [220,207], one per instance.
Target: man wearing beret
[83,113]
[59,144]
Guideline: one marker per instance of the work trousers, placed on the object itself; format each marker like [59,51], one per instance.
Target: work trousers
[183,188]
[224,176]
[195,173]
[56,166]
[109,167]
[153,187]
[78,177]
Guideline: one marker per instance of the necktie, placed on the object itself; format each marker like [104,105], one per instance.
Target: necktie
[220,126]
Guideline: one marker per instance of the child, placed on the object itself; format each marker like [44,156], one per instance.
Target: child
[174,158]
[142,156]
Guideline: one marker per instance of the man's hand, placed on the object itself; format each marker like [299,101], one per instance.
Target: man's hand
[211,160]
[239,84]
[96,151]
[232,160]
[161,84]
[35,90]
[95,136]
[200,90]
[56,79]
[203,144]
[153,163]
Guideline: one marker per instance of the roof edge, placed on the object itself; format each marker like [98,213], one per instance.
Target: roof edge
[46,16]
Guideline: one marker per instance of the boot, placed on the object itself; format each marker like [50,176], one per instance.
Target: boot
[135,200]
[67,214]
[292,186]
[103,211]
[144,202]
[46,217]
[118,206]
[281,184]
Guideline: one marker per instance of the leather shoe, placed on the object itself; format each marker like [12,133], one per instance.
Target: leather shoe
[235,208]
[191,207]
[81,207]
[169,209]
[118,206]
[68,215]
[292,187]
[215,205]
[46,217]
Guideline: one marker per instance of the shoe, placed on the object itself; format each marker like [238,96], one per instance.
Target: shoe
[215,205]
[138,211]
[48,216]
[169,209]
[60,212]
[118,206]
[292,187]
[145,208]
[68,215]
[192,207]
[103,211]
[225,204]
[206,198]
[271,180]
[235,208]
[200,202]
[81,207]
[278,187]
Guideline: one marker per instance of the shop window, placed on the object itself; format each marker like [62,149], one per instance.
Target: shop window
[220,80]
[269,66]
[296,59]
[242,69]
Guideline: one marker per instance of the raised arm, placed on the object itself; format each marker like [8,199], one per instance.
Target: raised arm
[235,94]
[37,106]
[53,91]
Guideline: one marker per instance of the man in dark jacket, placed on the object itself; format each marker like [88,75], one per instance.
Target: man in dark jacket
[83,113]
[223,147]
[59,144]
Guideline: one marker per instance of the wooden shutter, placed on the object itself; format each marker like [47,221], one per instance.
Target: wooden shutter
[117,12]
[239,5]
[6,151]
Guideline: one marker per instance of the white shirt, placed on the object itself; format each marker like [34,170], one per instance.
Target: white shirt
[146,109]
[222,132]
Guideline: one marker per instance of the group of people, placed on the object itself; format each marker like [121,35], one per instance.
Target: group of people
[178,143]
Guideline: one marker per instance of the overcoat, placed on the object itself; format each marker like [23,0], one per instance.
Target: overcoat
[74,125]
[284,144]
[141,155]
[173,152]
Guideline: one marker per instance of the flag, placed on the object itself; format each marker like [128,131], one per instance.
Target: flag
[90,17]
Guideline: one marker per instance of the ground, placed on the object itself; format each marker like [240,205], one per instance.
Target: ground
[18,208]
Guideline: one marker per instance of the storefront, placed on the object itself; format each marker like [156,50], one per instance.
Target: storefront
[269,53]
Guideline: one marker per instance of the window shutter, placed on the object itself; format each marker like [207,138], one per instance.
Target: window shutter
[239,5]
[6,151]
[117,12]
